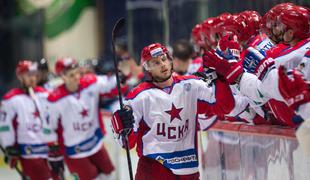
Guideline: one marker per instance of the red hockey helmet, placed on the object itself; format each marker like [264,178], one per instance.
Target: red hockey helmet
[230,25]
[197,35]
[64,64]
[26,66]
[219,25]
[153,51]
[206,30]
[270,18]
[269,21]
[297,19]
[246,24]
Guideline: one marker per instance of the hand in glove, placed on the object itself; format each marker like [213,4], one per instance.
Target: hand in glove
[294,90]
[122,120]
[12,155]
[229,47]
[257,63]
[55,159]
[231,70]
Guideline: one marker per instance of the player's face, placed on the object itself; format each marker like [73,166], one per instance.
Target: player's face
[29,79]
[72,79]
[288,36]
[160,68]
[278,31]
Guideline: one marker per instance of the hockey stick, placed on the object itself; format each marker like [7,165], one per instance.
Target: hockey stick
[117,27]
[42,119]
[15,167]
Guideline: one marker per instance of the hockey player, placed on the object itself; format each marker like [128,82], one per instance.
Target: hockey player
[266,86]
[22,120]
[295,91]
[74,112]
[163,114]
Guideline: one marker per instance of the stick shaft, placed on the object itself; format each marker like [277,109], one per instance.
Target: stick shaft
[118,25]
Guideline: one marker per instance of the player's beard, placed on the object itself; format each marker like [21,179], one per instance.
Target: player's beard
[162,79]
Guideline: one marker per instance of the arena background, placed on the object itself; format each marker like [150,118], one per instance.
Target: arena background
[32,29]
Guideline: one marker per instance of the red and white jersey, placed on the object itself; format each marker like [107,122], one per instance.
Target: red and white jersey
[195,65]
[78,114]
[304,65]
[22,120]
[166,119]
[261,43]
[291,57]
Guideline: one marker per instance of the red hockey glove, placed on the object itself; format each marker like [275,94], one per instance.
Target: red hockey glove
[229,69]
[12,155]
[229,47]
[122,119]
[294,90]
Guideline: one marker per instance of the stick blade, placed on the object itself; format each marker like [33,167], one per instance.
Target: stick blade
[118,26]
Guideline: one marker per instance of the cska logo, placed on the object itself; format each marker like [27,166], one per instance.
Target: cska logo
[174,113]
[173,132]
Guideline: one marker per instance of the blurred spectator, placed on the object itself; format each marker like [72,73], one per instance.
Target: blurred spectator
[43,72]
[88,66]
[183,62]
[127,65]
[46,78]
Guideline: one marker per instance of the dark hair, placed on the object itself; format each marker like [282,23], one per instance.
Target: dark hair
[182,49]
[122,43]
[43,65]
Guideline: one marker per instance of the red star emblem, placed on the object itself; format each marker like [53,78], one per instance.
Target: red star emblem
[174,113]
[36,114]
[84,113]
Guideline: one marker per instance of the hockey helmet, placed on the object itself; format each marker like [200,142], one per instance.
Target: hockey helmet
[64,64]
[153,51]
[26,66]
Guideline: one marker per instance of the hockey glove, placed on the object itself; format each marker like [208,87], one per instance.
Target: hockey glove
[231,70]
[295,90]
[55,159]
[122,119]
[257,63]
[208,75]
[228,47]
[12,155]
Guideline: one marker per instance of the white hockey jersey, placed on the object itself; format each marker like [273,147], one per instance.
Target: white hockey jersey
[22,122]
[166,119]
[78,114]
[261,91]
